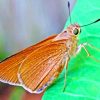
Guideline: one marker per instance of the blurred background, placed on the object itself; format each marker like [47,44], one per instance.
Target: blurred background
[24,23]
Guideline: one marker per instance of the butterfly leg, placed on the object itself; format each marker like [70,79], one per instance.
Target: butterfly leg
[65,77]
[88,54]
[82,46]
[91,46]
[65,74]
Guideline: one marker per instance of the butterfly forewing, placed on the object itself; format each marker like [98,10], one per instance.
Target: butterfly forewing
[9,67]
[35,68]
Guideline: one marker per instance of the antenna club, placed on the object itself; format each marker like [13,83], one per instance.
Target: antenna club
[68,4]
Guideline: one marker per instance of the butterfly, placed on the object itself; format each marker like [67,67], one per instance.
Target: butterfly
[36,67]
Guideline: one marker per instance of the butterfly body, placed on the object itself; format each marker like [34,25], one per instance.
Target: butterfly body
[36,67]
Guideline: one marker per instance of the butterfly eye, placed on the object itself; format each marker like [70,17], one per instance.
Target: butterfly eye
[76,31]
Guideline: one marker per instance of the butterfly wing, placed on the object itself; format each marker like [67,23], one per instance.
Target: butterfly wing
[41,65]
[9,67]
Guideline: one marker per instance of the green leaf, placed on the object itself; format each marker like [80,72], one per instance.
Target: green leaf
[17,94]
[83,77]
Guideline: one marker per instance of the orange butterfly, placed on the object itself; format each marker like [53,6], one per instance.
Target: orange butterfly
[37,66]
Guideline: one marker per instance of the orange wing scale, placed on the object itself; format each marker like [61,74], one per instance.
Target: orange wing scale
[34,67]
[42,64]
[9,67]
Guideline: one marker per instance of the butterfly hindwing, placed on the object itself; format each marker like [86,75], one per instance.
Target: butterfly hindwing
[42,62]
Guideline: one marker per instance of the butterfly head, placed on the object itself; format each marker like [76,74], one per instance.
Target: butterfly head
[74,29]
[71,31]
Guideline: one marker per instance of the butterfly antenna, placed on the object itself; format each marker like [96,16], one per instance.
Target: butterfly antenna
[91,23]
[69,11]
